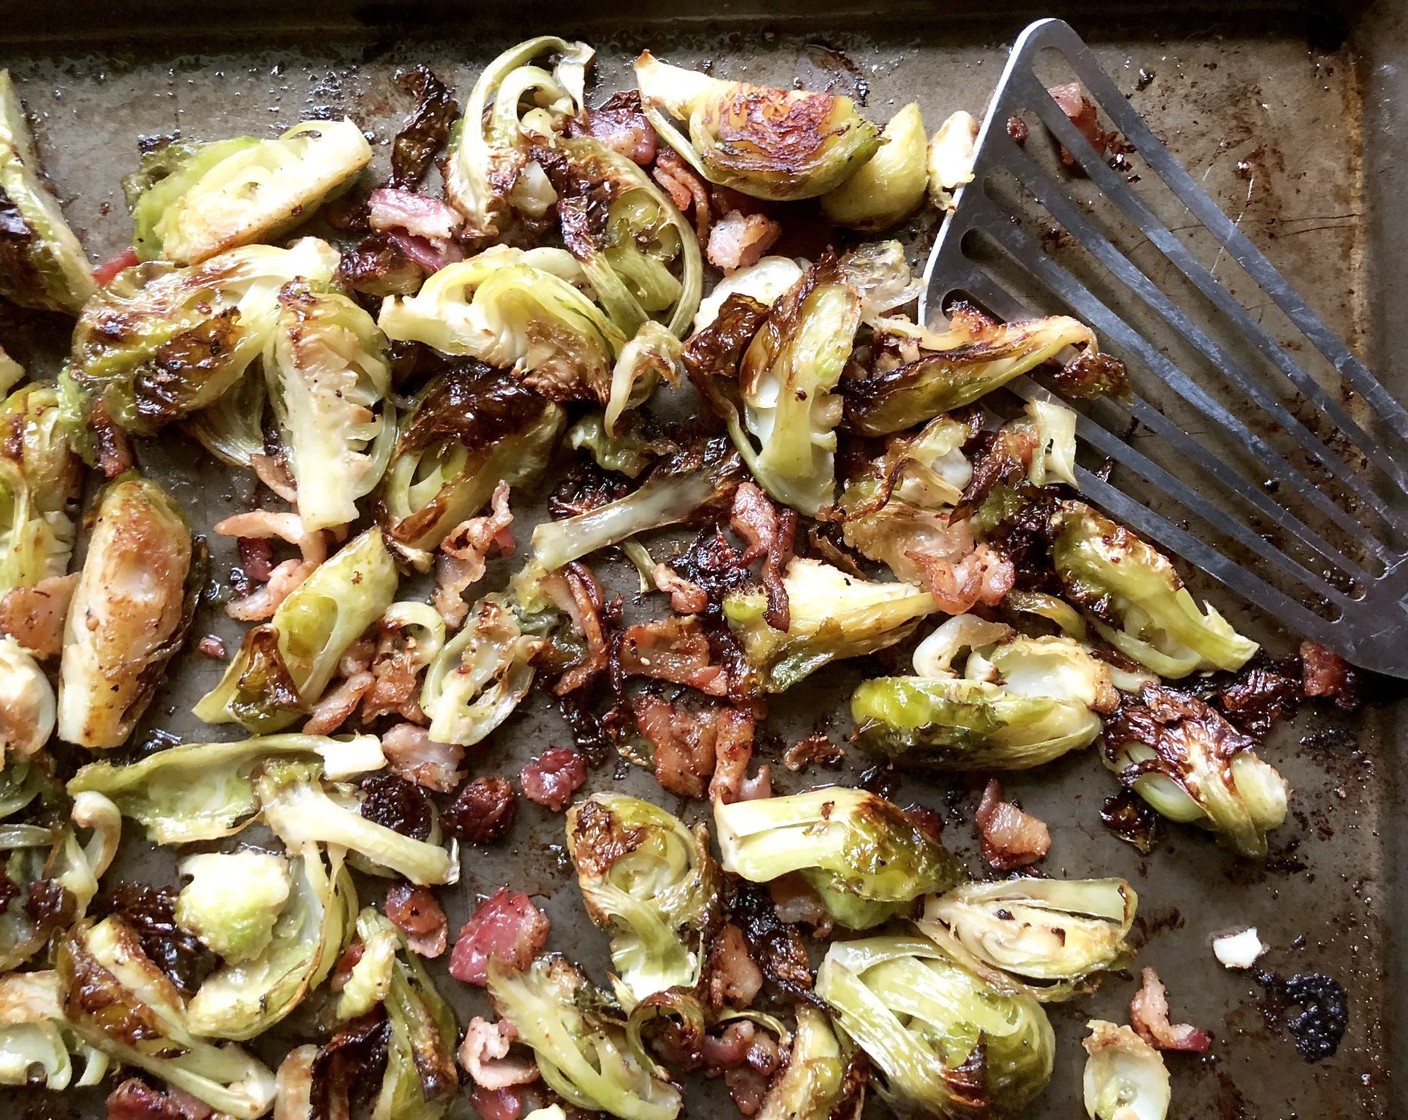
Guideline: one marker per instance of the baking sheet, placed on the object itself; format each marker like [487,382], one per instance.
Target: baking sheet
[1317,118]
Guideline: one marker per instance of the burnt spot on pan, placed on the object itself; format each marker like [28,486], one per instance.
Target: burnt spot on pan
[1311,1007]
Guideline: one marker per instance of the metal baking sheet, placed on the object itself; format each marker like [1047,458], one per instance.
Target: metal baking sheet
[1313,105]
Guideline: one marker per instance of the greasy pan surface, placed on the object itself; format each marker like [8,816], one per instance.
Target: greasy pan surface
[1314,121]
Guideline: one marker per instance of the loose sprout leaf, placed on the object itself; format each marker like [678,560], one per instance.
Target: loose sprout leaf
[891,185]
[1125,1078]
[11,372]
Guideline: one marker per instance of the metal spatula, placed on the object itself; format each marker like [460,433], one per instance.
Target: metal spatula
[1284,479]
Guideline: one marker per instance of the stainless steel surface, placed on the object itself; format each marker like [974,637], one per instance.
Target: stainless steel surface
[1232,85]
[1359,604]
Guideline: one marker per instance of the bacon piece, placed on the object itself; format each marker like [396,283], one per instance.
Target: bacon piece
[1148,1015]
[395,665]
[273,472]
[284,579]
[484,1055]
[1327,674]
[106,271]
[577,591]
[982,576]
[748,1058]
[418,214]
[672,649]
[684,188]
[256,558]
[739,240]
[731,977]
[465,551]
[817,748]
[415,912]
[770,536]
[1009,837]
[136,1100]
[507,929]
[796,901]
[621,125]
[690,747]
[734,750]
[1081,112]
[553,777]
[34,616]
[212,647]
[415,756]
[431,256]
[336,708]
[483,812]
[685,597]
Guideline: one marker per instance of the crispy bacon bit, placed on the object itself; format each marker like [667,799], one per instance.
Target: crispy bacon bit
[1081,111]
[770,536]
[1009,837]
[734,750]
[553,777]
[256,558]
[417,214]
[690,747]
[507,929]
[796,901]
[484,1055]
[431,256]
[685,188]
[1258,698]
[415,756]
[577,591]
[1327,674]
[731,978]
[748,1058]
[113,447]
[1148,1014]
[982,576]
[136,1100]
[285,578]
[212,647]
[334,709]
[672,649]
[685,597]
[465,551]
[483,812]
[415,912]
[740,240]
[1018,130]
[815,748]
[273,472]
[621,126]
[34,616]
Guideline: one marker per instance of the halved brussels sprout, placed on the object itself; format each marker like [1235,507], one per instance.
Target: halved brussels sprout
[202,199]
[1138,603]
[470,428]
[768,143]
[813,1085]
[27,706]
[940,1039]
[328,376]
[41,262]
[131,611]
[1125,1078]
[34,1037]
[159,342]
[39,481]
[583,1056]
[233,901]
[117,1000]
[284,666]
[890,186]
[487,169]
[1041,937]
[519,310]
[650,881]
[833,616]
[845,842]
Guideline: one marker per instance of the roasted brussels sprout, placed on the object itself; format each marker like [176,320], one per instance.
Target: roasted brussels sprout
[118,1001]
[203,199]
[285,665]
[1125,1078]
[34,1036]
[813,1085]
[1041,937]
[39,482]
[369,978]
[515,309]
[890,186]
[650,881]
[842,841]
[203,791]
[1182,757]
[159,342]
[233,901]
[328,375]
[583,1055]
[41,262]
[27,706]
[833,616]
[131,611]
[487,171]
[1136,600]
[763,282]
[941,1040]
[768,143]
[470,428]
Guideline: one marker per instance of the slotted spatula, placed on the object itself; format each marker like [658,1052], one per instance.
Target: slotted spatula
[1263,475]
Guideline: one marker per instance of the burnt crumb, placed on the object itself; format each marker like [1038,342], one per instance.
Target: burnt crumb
[49,904]
[1311,1006]
[1331,740]
[1146,79]
[483,812]
[151,914]
[594,734]
[397,804]
[585,487]
[1131,819]
[1018,130]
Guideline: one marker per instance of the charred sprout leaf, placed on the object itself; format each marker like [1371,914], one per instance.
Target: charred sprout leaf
[519,310]
[515,103]
[212,197]
[160,342]
[132,609]
[285,665]
[1190,764]
[1125,1077]
[763,282]
[471,427]
[39,482]
[890,186]
[328,376]
[307,924]
[879,272]
[583,1056]
[650,881]
[941,1040]
[425,130]
[203,791]
[1041,937]
[300,811]
[957,367]
[833,616]
[813,1083]
[233,901]
[41,262]
[769,143]
[1138,603]
[27,705]
[843,841]
[118,1001]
